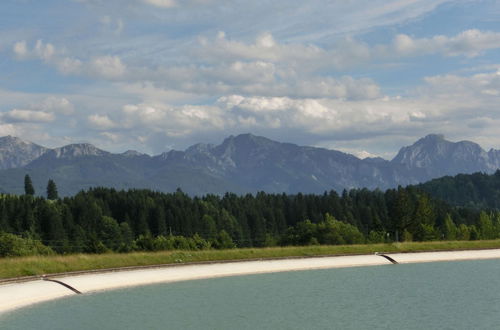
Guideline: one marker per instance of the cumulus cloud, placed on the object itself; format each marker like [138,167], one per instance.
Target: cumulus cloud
[265,48]
[443,104]
[68,65]
[161,3]
[257,78]
[467,43]
[41,50]
[347,52]
[45,51]
[463,98]
[100,122]
[318,116]
[171,120]
[20,49]
[108,66]
[266,67]
[37,110]
[55,104]
[29,116]
[399,119]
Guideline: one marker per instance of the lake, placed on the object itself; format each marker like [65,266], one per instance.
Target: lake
[445,295]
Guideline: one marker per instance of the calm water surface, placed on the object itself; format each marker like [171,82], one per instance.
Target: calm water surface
[452,295]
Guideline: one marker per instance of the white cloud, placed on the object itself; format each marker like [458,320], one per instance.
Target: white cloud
[347,52]
[8,129]
[55,104]
[41,50]
[265,48]
[67,65]
[101,122]
[467,43]
[478,88]
[20,49]
[161,3]
[266,67]
[113,137]
[44,51]
[171,120]
[256,78]
[317,116]
[29,116]
[108,67]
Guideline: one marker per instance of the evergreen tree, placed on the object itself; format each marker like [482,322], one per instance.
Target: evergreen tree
[28,186]
[52,190]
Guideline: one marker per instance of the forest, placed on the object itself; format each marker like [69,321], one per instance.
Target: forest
[478,190]
[103,219]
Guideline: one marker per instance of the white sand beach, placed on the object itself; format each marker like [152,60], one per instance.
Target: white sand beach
[17,295]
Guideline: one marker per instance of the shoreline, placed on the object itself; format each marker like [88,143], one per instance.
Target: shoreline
[19,293]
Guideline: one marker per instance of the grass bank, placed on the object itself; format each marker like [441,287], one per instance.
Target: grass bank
[39,265]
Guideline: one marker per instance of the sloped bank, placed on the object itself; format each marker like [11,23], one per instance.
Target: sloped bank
[20,294]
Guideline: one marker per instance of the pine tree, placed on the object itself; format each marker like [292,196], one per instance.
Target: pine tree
[28,186]
[52,190]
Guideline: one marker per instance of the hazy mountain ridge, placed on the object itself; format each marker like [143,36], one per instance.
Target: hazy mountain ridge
[243,163]
[433,156]
[15,152]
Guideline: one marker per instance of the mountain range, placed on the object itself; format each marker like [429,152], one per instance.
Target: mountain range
[242,164]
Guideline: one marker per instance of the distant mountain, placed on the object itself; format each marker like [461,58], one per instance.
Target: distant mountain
[433,156]
[241,164]
[14,152]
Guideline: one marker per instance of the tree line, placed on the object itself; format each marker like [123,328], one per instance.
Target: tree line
[104,219]
[478,190]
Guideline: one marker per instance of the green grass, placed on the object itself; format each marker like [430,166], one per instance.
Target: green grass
[39,265]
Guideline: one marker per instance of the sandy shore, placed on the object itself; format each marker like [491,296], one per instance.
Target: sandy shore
[17,295]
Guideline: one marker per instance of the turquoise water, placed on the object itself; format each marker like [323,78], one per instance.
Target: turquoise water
[451,295]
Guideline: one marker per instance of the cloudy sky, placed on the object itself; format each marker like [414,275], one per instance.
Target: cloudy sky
[362,76]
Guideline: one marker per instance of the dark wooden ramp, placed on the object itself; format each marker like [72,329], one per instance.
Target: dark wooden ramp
[63,284]
[388,258]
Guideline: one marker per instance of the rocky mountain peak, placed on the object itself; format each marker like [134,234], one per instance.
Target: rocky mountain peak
[423,152]
[433,138]
[78,150]
[243,163]
[9,139]
[434,156]
[132,153]
[15,152]
[200,148]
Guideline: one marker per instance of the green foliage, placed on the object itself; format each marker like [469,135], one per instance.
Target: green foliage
[52,190]
[487,229]
[105,220]
[15,246]
[450,230]
[168,243]
[376,237]
[224,241]
[463,233]
[478,190]
[28,186]
[330,231]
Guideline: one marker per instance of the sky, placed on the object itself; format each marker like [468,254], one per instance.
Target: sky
[361,76]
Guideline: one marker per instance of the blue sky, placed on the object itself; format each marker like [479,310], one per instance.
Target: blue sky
[364,76]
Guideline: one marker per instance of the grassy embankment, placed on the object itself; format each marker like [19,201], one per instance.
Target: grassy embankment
[38,265]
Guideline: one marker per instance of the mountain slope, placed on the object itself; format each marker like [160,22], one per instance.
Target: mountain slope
[241,164]
[433,156]
[15,152]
